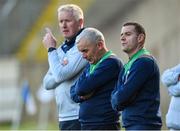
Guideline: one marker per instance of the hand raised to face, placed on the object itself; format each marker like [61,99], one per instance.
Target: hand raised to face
[49,40]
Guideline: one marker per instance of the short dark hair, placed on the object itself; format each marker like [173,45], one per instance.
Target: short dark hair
[139,28]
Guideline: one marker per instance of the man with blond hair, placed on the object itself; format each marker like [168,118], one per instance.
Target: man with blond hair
[65,64]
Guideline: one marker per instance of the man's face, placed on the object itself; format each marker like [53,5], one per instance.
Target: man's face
[129,39]
[90,51]
[69,26]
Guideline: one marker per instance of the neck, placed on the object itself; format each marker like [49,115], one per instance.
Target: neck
[102,53]
[134,52]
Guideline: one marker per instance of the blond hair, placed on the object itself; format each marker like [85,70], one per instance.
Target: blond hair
[74,9]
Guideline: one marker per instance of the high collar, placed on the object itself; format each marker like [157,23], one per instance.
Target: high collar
[72,41]
[69,44]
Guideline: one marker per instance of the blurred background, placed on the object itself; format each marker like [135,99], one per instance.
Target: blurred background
[24,104]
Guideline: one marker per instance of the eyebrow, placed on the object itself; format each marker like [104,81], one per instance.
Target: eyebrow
[128,32]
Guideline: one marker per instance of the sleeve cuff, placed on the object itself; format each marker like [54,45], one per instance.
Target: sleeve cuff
[51,49]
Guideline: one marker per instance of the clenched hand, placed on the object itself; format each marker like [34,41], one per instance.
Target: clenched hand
[49,40]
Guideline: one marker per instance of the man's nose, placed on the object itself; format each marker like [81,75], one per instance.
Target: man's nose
[63,25]
[84,55]
[122,37]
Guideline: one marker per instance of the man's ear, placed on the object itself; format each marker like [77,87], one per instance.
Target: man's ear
[81,22]
[100,44]
[141,38]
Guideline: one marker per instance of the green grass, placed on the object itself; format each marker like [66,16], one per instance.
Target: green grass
[29,126]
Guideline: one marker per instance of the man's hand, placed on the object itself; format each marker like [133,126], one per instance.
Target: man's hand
[87,96]
[49,40]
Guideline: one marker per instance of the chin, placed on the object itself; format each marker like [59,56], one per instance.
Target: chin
[123,49]
[67,36]
[90,62]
